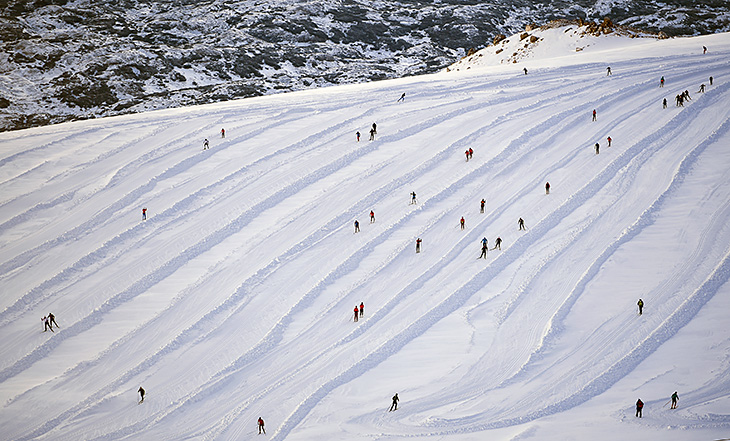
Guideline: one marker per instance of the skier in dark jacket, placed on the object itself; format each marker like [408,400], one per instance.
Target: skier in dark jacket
[372,216]
[521,224]
[362,309]
[483,203]
[413,198]
[641,306]
[594,114]
[418,245]
[547,188]
[498,244]
[639,407]
[394,406]
[261,426]
[357,226]
[598,146]
[675,398]
[206,145]
[47,324]
[357,312]
[141,394]
[484,250]
[52,320]
[402,97]
[664,103]
[462,222]
[144,214]
[357,135]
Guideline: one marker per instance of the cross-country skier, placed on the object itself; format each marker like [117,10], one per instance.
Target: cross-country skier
[362,309]
[639,407]
[594,114]
[141,394]
[223,133]
[372,134]
[704,49]
[413,198]
[484,251]
[525,69]
[481,209]
[462,222]
[375,128]
[547,188]
[47,324]
[372,216]
[394,406]
[702,88]
[52,320]
[357,134]
[609,141]
[710,81]
[261,426]
[498,244]
[521,224]
[661,82]
[598,146]
[402,97]
[471,153]
[206,145]
[357,312]
[357,226]
[608,71]
[675,398]
[418,245]
[664,103]
[144,214]
[641,306]
[466,152]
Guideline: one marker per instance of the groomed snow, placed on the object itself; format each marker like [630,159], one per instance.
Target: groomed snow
[233,300]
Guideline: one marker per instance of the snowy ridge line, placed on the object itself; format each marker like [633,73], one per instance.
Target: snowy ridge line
[455,300]
[338,223]
[646,219]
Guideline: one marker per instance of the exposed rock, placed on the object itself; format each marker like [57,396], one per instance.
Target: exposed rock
[498,38]
[533,39]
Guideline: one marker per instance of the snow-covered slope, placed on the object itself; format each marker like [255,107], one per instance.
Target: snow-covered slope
[234,299]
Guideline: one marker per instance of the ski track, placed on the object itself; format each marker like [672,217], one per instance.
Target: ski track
[350,264]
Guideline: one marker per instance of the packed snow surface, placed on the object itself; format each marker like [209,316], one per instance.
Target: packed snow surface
[234,299]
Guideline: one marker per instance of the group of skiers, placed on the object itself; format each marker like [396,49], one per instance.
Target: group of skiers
[48,322]
[206,143]
[357,223]
[640,404]
[359,311]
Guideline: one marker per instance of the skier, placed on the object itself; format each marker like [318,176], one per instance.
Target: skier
[471,153]
[402,97]
[547,188]
[675,398]
[418,245]
[702,88]
[141,394]
[661,82]
[498,243]
[394,406]
[521,224]
[47,324]
[597,147]
[372,216]
[357,226]
[413,198]
[372,134]
[261,426]
[357,311]
[704,49]
[375,128]
[144,213]
[664,103]
[639,406]
[206,145]
[525,69]
[608,71]
[462,222]
[52,320]
[686,95]
[609,141]
[484,241]
[362,309]
[594,114]
[641,306]
[484,251]
[467,155]
[357,134]
[710,81]
[481,209]
[223,133]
